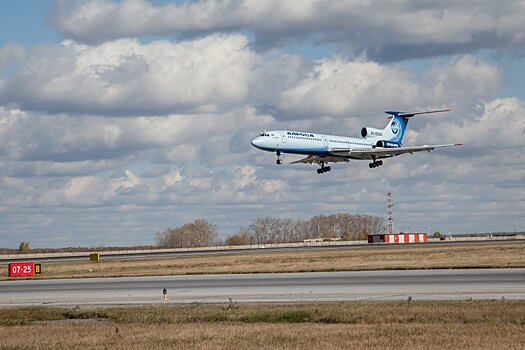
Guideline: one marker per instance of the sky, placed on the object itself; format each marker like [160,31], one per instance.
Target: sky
[120,119]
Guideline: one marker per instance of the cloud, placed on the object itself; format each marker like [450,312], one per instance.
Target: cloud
[498,127]
[12,54]
[127,78]
[337,87]
[384,30]
[313,96]
[475,188]
[218,73]
[59,140]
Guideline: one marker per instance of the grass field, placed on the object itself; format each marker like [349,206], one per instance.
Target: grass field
[347,325]
[437,256]
[353,325]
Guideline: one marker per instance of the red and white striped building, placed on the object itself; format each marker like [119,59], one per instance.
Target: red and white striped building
[398,238]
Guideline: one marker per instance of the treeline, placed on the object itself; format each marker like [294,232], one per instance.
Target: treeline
[25,249]
[266,230]
[201,233]
[348,227]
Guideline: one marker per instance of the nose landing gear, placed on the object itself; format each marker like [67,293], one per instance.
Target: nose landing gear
[279,161]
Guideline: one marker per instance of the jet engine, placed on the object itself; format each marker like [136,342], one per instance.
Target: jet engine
[387,144]
[371,132]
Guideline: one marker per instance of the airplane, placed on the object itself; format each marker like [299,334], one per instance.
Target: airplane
[373,145]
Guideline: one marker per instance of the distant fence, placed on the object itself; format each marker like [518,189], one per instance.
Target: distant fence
[132,251]
[481,238]
[312,243]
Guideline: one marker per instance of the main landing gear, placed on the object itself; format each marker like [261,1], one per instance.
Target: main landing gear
[375,164]
[279,161]
[323,169]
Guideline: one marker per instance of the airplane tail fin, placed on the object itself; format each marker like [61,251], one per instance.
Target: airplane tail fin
[395,129]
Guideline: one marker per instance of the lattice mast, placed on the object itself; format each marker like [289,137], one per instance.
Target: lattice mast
[390,215]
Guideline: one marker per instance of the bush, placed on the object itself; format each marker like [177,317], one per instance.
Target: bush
[24,248]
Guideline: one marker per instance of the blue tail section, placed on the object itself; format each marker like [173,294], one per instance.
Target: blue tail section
[395,130]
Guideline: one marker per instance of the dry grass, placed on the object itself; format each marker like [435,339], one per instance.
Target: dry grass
[414,325]
[350,259]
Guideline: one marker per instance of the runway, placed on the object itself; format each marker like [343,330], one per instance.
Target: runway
[458,284]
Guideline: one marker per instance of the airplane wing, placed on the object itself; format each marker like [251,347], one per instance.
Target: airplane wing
[380,152]
[322,159]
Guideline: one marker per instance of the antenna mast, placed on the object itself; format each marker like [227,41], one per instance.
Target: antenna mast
[390,216]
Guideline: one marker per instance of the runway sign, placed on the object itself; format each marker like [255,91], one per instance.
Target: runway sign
[25,269]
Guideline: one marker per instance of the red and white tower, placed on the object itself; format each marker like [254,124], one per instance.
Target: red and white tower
[390,216]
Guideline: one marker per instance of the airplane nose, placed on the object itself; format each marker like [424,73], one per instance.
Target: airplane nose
[256,142]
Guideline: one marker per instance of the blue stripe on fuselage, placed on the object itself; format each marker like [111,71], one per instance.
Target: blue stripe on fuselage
[323,151]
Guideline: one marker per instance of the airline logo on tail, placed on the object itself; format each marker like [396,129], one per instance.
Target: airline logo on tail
[395,127]
[397,130]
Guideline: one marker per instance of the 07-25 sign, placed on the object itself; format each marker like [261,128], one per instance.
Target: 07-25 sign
[24,269]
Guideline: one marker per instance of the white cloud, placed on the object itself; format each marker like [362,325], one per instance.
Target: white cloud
[125,77]
[80,187]
[386,30]
[66,144]
[338,87]
[220,72]
[12,54]
[498,127]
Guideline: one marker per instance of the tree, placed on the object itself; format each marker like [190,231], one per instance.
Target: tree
[24,248]
[325,226]
[347,236]
[363,235]
[241,238]
[436,234]
[270,230]
[199,233]
[344,225]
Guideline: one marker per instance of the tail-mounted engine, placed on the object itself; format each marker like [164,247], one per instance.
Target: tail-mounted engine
[387,144]
[371,132]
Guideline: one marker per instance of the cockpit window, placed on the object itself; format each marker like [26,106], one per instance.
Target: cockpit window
[264,134]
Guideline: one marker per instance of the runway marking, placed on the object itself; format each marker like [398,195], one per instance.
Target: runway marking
[286,287]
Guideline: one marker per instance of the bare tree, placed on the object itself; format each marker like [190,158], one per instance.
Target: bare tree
[343,225]
[199,233]
[24,248]
[241,238]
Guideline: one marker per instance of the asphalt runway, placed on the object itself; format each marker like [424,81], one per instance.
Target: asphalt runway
[285,287]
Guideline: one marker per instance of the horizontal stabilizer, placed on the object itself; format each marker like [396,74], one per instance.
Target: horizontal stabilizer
[410,115]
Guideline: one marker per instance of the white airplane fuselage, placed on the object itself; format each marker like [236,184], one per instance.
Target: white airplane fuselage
[307,143]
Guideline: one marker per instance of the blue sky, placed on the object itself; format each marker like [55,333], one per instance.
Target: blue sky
[26,24]
[120,119]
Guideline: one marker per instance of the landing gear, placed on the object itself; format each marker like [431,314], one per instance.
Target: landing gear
[279,161]
[375,163]
[323,169]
